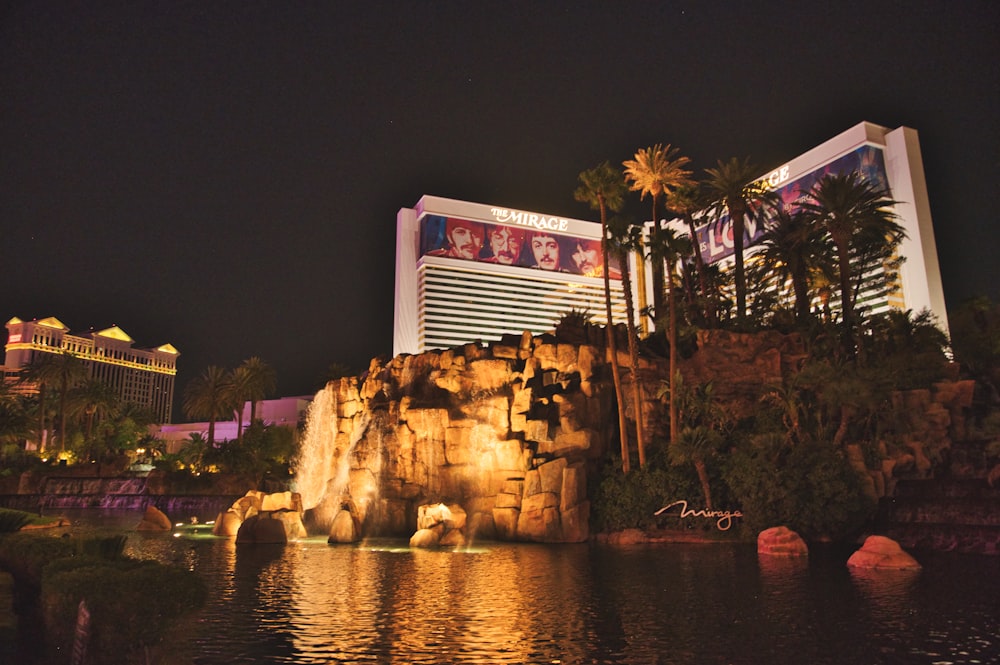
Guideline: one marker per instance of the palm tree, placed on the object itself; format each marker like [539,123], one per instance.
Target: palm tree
[94,399]
[669,248]
[792,249]
[624,238]
[857,215]
[734,191]
[602,188]
[60,370]
[209,397]
[686,202]
[261,382]
[657,172]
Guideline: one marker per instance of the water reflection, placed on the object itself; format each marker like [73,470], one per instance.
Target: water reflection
[380,602]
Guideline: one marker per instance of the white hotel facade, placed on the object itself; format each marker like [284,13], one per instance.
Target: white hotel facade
[443,301]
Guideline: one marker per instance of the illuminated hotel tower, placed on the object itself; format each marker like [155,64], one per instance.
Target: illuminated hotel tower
[889,158]
[471,272]
[144,377]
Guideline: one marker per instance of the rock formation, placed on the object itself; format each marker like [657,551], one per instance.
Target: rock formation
[882,552]
[781,541]
[154,520]
[283,509]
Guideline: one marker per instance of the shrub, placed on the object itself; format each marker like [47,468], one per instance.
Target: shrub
[13,520]
[631,501]
[810,488]
[131,603]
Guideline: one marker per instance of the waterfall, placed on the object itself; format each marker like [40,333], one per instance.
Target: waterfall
[323,472]
[318,447]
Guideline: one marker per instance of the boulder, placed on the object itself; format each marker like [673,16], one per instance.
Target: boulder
[781,541]
[425,538]
[883,553]
[343,529]
[154,520]
[261,530]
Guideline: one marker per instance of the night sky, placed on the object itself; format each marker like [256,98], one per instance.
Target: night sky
[225,176]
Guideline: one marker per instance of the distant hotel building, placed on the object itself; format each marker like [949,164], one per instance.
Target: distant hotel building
[144,377]
[468,271]
[891,160]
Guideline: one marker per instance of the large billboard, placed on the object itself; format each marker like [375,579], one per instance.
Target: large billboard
[537,247]
[716,239]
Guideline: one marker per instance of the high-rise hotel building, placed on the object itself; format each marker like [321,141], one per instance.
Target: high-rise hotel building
[144,377]
[468,271]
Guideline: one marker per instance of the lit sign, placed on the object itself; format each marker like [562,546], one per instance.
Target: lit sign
[776,177]
[534,220]
[14,338]
[724,518]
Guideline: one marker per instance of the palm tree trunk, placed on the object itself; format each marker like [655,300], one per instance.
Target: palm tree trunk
[699,465]
[741,284]
[633,353]
[846,304]
[658,276]
[672,341]
[612,341]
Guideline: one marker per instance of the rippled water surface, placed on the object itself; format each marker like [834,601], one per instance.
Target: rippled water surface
[380,602]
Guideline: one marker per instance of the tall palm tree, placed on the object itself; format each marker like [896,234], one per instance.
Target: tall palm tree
[657,171]
[603,189]
[625,238]
[687,201]
[208,396]
[261,382]
[94,399]
[62,371]
[857,215]
[793,249]
[734,191]
[673,248]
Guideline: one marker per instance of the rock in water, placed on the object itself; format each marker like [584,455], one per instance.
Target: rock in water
[154,520]
[781,541]
[884,553]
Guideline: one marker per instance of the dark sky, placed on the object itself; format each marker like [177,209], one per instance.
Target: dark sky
[225,176]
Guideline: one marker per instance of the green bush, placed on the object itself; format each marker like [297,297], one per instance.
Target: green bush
[810,488]
[25,555]
[131,603]
[631,501]
[13,520]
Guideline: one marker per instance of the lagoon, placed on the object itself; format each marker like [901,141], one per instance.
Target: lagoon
[381,602]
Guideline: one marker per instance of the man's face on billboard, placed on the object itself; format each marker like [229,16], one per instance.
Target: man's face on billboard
[546,252]
[465,242]
[586,257]
[505,245]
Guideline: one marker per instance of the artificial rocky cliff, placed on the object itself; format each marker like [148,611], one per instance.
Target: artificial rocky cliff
[510,432]
[514,432]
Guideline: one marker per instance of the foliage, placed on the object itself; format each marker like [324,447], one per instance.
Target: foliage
[13,520]
[975,339]
[811,489]
[626,501]
[131,603]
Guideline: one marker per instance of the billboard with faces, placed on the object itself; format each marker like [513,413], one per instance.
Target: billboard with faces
[503,244]
[716,239]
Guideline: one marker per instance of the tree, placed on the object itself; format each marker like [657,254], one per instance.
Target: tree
[208,396]
[602,188]
[669,248]
[260,382]
[94,399]
[856,214]
[624,238]
[657,172]
[62,371]
[792,249]
[687,201]
[734,192]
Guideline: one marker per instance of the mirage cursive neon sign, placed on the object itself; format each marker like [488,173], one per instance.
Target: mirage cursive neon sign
[724,518]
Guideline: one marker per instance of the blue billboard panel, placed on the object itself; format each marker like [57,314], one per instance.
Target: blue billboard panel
[715,240]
